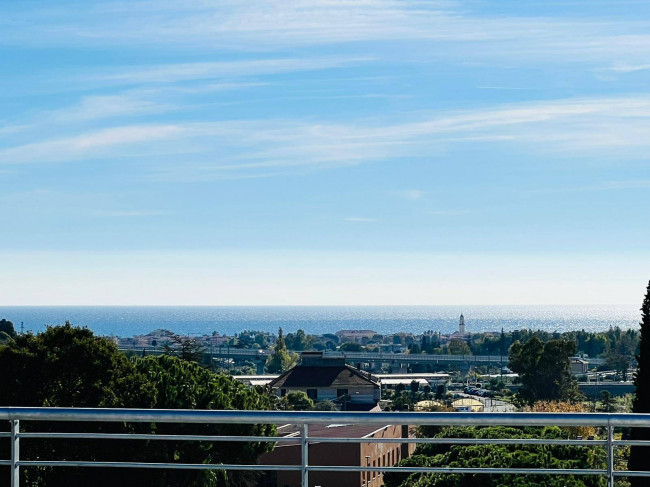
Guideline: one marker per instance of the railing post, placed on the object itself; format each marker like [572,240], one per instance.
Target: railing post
[610,454]
[15,453]
[304,443]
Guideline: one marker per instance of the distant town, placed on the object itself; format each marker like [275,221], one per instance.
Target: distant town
[474,365]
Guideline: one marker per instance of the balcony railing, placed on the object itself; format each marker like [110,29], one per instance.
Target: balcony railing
[14,415]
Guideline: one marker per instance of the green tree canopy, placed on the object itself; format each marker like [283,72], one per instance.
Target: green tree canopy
[70,367]
[281,359]
[299,341]
[493,456]
[351,347]
[8,328]
[544,370]
[457,347]
[297,401]
[186,348]
[641,404]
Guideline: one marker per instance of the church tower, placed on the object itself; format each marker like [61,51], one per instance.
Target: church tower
[461,325]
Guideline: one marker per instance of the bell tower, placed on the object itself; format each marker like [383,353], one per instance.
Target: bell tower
[461,325]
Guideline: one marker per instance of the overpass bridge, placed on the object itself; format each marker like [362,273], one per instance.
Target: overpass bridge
[400,360]
[368,357]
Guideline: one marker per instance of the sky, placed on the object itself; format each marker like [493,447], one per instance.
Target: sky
[316,152]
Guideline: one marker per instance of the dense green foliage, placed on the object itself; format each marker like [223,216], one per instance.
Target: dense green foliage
[544,370]
[493,456]
[297,401]
[457,347]
[641,404]
[593,344]
[186,348]
[281,359]
[299,341]
[351,347]
[7,331]
[68,366]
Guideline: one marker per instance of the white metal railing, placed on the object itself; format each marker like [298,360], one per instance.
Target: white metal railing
[14,415]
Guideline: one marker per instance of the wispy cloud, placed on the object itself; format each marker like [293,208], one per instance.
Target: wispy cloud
[627,68]
[256,25]
[412,194]
[87,145]
[177,72]
[572,126]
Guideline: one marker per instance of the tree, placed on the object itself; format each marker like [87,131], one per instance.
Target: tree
[621,354]
[544,370]
[299,341]
[512,456]
[351,347]
[186,348]
[298,401]
[180,384]
[414,349]
[281,359]
[608,405]
[8,328]
[457,347]
[325,405]
[641,404]
[68,366]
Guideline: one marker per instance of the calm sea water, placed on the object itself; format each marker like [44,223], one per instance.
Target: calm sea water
[198,320]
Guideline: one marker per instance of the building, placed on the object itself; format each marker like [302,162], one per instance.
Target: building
[352,454]
[461,333]
[326,378]
[468,405]
[358,336]
[579,366]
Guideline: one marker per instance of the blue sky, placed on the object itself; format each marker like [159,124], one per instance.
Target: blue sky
[324,152]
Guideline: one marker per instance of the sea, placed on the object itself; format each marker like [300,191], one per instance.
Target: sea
[126,321]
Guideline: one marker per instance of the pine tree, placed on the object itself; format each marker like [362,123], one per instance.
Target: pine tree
[281,359]
[641,404]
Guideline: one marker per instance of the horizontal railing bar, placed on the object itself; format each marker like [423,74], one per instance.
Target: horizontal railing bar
[5,435]
[172,466]
[322,468]
[462,441]
[631,442]
[329,468]
[510,471]
[136,436]
[312,439]
[318,417]
[631,473]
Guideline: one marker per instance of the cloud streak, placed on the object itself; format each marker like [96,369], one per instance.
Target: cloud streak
[183,72]
[571,126]
[256,25]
